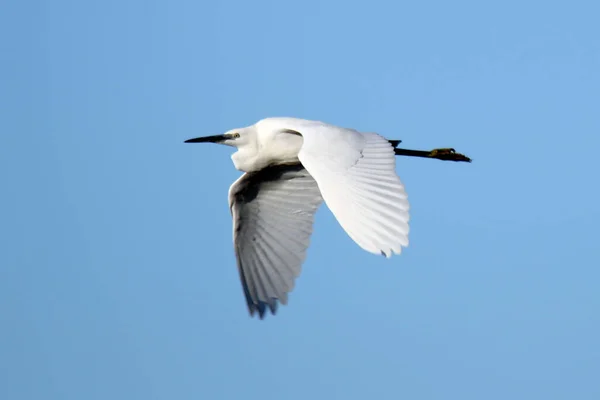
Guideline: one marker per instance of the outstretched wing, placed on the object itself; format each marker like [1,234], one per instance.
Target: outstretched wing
[356,174]
[273,212]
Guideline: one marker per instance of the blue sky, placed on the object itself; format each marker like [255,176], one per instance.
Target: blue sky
[117,274]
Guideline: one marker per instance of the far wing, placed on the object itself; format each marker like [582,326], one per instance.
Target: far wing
[356,173]
[273,212]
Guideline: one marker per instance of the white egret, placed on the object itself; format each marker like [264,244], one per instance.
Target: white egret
[291,166]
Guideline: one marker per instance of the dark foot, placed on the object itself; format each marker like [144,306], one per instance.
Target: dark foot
[448,155]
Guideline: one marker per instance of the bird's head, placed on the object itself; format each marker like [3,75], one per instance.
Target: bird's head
[244,139]
[234,137]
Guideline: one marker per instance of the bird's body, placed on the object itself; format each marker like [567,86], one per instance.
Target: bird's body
[291,165]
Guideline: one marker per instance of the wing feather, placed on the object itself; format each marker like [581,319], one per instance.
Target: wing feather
[273,212]
[356,175]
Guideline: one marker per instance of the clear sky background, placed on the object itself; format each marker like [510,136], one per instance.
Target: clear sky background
[117,273]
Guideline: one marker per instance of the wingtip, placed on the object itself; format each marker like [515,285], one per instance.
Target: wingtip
[261,308]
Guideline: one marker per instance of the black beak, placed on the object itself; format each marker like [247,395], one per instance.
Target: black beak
[208,139]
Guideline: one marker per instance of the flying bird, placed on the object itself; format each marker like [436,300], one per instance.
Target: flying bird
[290,167]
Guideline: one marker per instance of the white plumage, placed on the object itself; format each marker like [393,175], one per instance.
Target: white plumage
[291,166]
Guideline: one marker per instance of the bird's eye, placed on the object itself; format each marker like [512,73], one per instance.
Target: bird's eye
[236,135]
